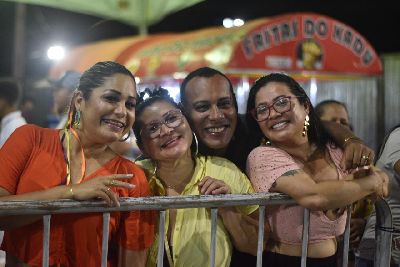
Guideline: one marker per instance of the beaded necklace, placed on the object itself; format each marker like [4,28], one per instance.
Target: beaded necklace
[83,166]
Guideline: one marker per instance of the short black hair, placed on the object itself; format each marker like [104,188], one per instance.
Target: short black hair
[9,91]
[69,80]
[319,109]
[206,72]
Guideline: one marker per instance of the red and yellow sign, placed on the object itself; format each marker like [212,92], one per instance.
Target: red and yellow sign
[305,43]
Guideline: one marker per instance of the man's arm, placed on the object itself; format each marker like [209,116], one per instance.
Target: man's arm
[355,152]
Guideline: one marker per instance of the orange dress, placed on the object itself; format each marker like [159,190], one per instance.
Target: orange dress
[33,159]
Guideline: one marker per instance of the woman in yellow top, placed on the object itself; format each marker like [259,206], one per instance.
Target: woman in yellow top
[174,168]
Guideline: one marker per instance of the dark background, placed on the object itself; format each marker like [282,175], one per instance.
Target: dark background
[377,21]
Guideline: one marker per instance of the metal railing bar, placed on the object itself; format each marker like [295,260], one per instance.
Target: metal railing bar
[304,245]
[46,208]
[104,244]
[383,238]
[161,236]
[214,215]
[260,244]
[142,203]
[46,240]
[346,237]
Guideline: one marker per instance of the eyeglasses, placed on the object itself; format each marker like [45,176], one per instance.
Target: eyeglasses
[171,119]
[281,105]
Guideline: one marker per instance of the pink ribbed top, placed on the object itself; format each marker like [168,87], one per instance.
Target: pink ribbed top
[265,165]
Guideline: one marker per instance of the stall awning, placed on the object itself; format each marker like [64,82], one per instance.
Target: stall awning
[302,43]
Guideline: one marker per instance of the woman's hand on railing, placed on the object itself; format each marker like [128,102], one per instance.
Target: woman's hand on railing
[100,187]
[383,187]
[211,186]
[356,154]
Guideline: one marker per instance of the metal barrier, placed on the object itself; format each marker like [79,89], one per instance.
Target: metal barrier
[46,208]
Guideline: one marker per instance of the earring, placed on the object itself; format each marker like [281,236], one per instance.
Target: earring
[306,124]
[77,119]
[126,136]
[197,144]
[154,171]
[265,142]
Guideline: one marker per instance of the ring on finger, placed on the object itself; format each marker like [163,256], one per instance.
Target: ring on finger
[112,182]
[365,158]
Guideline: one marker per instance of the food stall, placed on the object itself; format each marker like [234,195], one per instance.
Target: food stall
[329,58]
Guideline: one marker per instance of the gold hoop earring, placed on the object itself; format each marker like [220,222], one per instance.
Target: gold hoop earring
[197,144]
[305,127]
[126,136]
[265,142]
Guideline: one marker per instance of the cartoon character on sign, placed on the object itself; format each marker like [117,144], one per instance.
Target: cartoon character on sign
[309,55]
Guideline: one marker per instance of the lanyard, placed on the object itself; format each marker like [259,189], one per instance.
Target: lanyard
[166,242]
[83,168]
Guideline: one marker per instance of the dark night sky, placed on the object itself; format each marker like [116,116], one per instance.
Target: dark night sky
[377,21]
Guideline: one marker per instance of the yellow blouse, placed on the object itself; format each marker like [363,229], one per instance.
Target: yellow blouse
[192,232]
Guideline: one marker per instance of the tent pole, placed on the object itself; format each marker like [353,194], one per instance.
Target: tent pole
[19,43]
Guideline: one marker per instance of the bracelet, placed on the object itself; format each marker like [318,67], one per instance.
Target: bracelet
[347,139]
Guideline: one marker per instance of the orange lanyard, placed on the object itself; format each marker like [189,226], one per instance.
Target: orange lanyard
[83,169]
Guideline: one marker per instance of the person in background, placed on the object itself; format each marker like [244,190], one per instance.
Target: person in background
[389,162]
[335,111]
[10,116]
[64,88]
[209,103]
[10,119]
[27,108]
[77,163]
[174,167]
[299,158]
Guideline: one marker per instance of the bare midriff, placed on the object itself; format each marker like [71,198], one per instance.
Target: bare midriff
[323,249]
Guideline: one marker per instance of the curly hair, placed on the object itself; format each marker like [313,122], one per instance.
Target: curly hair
[147,98]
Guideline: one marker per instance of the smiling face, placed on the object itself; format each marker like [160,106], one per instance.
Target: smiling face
[335,113]
[109,112]
[286,127]
[210,107]
[171,143]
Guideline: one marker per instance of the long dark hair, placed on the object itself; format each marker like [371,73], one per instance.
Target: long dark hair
[94,77]
[316,133]
[147,98]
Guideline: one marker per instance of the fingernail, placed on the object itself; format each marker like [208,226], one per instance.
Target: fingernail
[131,186]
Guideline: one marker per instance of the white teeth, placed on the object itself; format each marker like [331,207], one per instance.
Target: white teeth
[216,130]
[278,125]
[115,123]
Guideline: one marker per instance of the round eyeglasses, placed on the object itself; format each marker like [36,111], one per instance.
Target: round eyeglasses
[171,119]
[263,111]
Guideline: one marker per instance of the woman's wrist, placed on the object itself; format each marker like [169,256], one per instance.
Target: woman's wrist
[68,192]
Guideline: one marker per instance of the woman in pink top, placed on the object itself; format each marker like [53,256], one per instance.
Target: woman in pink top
[300,160]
